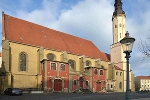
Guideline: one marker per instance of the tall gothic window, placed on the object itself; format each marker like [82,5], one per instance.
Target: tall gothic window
[72,64]
[23,61]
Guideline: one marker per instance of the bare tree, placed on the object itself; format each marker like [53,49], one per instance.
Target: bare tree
[144,48]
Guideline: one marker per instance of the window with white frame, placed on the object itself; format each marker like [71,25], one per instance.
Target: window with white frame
[62,67]
[53,66]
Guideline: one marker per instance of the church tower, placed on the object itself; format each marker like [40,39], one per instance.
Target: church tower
[119,30]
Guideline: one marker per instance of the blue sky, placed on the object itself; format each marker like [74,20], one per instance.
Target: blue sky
[88,19]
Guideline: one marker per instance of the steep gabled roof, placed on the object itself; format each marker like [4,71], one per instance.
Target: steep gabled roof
[143,77]
[21,31]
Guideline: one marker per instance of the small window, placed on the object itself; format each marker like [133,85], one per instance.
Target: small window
[116,73]
[101,72]
[72,64]
[50,56]
[115,26]
[120,85]
[111,86]
[53,66]
[86,83]
[120,73]
[95,71]
[88,63]
[74,82]
[120,25]
[62,67]
[120,35]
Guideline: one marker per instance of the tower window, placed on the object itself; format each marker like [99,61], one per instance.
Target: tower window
[120,35]
[115,26]
[120,25]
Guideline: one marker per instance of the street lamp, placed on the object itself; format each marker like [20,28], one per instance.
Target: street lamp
[127,44]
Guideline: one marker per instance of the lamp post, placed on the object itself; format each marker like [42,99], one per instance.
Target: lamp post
[127,44]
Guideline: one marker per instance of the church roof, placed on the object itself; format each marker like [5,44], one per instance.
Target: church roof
[21,31]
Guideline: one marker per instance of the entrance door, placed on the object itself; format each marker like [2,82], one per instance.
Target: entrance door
[98,86]
[81,84]
[57,85]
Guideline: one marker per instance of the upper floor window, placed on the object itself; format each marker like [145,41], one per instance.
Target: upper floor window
[116,73]
[62,67]
[115,26]
[88,63]
[53,66]
[101,72]
[72,64]
[95,71]
[120,73]
[22,61]
[50,56]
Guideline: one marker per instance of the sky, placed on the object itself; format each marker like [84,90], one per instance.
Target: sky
[88,19]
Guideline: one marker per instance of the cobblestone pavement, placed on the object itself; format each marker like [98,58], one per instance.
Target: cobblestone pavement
[76,96]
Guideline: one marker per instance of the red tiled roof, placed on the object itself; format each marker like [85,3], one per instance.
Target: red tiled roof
[117,68]
[18,30]
[143,77]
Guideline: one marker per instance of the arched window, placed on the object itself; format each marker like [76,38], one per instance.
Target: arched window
[23,61]
[72,64]
[120,85]
[50,56]
[88,63]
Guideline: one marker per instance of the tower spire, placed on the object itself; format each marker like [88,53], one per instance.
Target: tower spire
[118,8]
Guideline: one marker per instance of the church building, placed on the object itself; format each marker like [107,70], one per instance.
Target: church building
[35,57]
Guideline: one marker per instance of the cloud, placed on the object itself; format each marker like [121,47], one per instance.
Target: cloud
[87,19]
